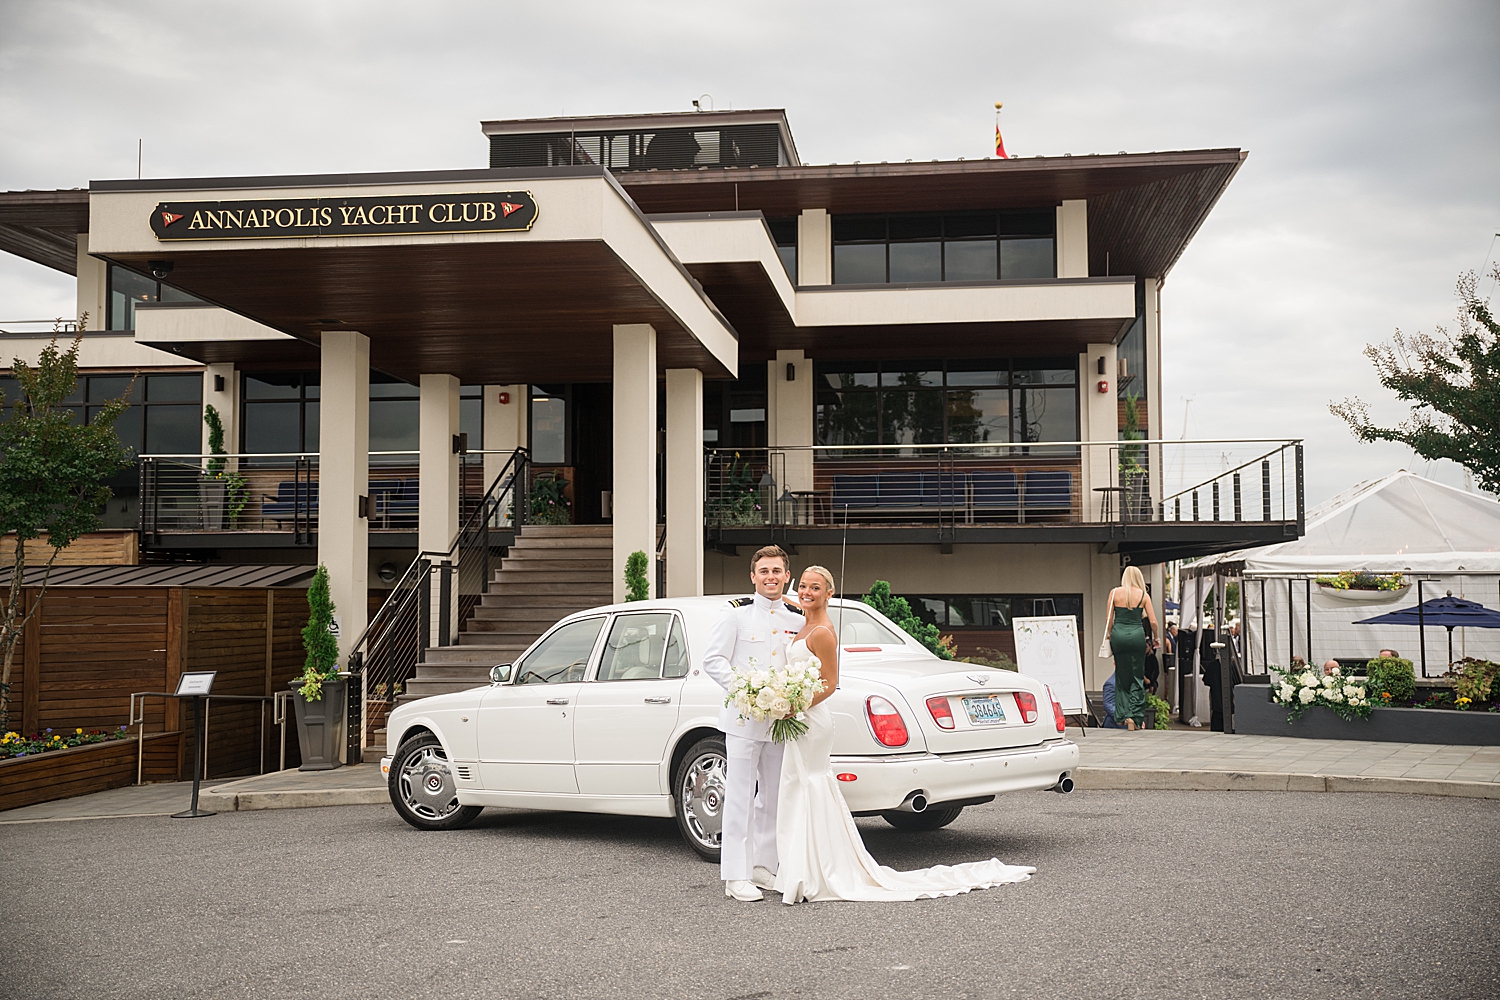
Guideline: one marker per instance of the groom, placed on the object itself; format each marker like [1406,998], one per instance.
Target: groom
[758,628]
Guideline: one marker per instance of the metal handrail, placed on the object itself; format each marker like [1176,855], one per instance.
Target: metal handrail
[974,446]
[138,719]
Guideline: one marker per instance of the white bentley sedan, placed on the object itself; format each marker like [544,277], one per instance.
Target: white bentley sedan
[610,712]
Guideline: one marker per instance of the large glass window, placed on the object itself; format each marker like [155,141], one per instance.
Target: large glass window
[784,234]
[734,413]
[952,612]
[395,414]
[279,413]
[954,402]
[127,289]
[549,425]
[969,246]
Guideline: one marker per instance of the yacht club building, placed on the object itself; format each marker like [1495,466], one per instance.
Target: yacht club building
[696,343]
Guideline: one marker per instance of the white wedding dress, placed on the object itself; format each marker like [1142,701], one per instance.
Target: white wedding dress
[821,854]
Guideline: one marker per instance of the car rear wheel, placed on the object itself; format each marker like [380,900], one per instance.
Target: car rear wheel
[931,819]
[422,788]
[698,796]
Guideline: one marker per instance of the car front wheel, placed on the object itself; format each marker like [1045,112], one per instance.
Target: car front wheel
[422,789]
[932,819]
[698,796]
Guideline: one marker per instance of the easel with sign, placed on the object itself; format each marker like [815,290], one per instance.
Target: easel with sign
[1047,650]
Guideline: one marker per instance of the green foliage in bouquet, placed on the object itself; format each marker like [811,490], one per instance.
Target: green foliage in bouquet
[637,586]
[899,611]
[1391,680]
[322,646]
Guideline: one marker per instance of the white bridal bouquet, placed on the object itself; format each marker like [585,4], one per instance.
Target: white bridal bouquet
[781,694]
[1302,687]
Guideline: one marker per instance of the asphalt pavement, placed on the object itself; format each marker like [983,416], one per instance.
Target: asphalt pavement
[1138,894]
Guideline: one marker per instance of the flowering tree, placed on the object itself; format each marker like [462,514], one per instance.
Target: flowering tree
[52,475]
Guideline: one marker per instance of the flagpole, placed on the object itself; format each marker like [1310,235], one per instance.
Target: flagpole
[999,143]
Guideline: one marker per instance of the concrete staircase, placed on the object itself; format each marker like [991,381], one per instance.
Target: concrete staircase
[550,572]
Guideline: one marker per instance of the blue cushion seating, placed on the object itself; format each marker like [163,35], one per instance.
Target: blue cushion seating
[853,490]
[1050,489]
[906,489]
[994,490]
[288,492]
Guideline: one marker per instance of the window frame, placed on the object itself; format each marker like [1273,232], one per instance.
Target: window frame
[944,221]
[590,664]
[675,624]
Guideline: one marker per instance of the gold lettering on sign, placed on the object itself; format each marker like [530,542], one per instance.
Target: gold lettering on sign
[416,213]
[233,217]
[197,222]
[375,208]
[288,213]
[489,211]
[359,216]
[432,215]
[325,216]
[345,210]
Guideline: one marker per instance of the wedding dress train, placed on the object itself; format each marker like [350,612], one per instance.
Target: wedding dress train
[822,856]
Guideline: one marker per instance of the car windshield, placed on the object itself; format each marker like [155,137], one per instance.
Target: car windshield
[563,656]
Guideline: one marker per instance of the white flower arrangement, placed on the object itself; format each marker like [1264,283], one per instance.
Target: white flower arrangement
[781,695]
[1299,689]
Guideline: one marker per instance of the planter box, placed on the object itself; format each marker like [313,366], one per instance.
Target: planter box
[1256,714]
[1363,596]
[61,774]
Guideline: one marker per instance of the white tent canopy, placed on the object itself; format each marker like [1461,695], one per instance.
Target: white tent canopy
[1403,523]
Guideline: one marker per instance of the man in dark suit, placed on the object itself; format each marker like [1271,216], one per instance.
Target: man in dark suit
[1214,661]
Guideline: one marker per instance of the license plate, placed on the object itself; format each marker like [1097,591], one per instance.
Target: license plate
[985,710]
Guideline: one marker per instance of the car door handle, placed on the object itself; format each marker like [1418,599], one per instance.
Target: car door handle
[659,701]
[557,701]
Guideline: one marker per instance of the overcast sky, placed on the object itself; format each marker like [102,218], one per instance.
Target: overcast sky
[1372,131]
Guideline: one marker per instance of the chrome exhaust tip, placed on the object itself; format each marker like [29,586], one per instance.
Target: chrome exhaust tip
[1064,785]
[915,802]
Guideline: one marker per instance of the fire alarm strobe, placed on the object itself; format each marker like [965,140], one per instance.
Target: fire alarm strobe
[1103,385]
[504,398]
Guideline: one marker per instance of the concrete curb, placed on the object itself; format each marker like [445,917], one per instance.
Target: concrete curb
[1149,779]
[305,799]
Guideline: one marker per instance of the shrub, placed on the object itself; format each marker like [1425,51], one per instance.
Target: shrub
[1391,680]
[897,610]
[1473,681]
[1162,709]
[987,657]
[637,586]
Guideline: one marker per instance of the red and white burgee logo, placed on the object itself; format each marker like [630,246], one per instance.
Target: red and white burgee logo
[167,218]
[507,208]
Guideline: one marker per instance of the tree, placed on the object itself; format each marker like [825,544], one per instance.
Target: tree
[899,611]
[637,585]
[322,664]
[52,474]
[1453,382]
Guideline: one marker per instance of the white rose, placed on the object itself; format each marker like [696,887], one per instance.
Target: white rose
[1350,691]
[1307,679]
[781,706]
[1335,696]
[765,698]
[1329,682]
[1306,695]
[1285,692]
[759,679]
[1335,672]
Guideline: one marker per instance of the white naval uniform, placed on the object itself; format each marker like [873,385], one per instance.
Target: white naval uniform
[761,629]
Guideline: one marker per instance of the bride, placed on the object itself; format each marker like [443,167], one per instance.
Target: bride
[822,856]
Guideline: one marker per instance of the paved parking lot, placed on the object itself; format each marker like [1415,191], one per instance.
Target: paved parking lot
[1141,893]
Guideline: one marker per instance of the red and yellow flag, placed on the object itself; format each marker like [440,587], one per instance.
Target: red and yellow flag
[999,144]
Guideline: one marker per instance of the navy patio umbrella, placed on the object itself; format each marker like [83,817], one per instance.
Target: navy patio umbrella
[1448,611]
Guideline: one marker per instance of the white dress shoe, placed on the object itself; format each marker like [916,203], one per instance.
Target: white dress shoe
[763,877]
[744,891]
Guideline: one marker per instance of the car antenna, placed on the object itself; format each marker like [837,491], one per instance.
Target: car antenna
[838,651]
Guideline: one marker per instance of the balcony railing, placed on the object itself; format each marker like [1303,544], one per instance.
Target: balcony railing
[1031,483]
[278,493]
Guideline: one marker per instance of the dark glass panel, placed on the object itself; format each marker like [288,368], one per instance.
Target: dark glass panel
[783,231]
[548,430]
[273,385]
[968,225]
[392,389]
[969,260]
[394,424]
[1022,259]
[788,257]
[80,384]
[129,427]
[915,262]
[847,418]
[471,392]
[471,421]
[859,264]
[174,388]
[170,294]
[849,375]
[911,374]
[1046,415]
[911,417]
[126,288]
[848,228]
[104,388]
[310,388]
[174,429]
[10,394]
[984,372]
[915,227]
[929,610]
[272,427]
[976,416]
[1029,223]
[311,427]
[980,612]
[1046,372]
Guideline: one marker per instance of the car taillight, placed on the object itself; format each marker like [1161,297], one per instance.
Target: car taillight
[1057,712]
[885,722]
[846,776]
[942,712]
[1026,702]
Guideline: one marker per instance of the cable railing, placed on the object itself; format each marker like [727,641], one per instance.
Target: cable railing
[417,614]
[1041,483]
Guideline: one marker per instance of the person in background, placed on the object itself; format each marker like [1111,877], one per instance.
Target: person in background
[1153,666]
[1391,653]
[1108,722]
[1129,611]
[1329,666]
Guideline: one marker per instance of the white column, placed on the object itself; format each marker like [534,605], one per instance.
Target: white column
[504,426]
[437,505]
[792,425]
[1100,422]
[225,402]
[1073,239]
[684,482]
[92,287]
[635,448]
[814,248]
[344,476]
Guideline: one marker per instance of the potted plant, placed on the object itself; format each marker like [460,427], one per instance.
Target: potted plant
[549,500]
[1361,587]
[319,695]
[219,488]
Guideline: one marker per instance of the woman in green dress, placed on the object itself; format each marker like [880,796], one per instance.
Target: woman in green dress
[1129,607]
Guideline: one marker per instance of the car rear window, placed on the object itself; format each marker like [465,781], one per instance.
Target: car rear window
[858,627]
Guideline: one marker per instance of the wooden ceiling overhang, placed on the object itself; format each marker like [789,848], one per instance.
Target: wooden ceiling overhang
[493,308]
[43,226]
[1143,208]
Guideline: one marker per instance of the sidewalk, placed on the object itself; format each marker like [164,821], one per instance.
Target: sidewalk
[1207,761]
[360,785]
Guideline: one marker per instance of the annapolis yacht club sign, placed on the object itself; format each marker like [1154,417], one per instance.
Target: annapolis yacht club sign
[384,215]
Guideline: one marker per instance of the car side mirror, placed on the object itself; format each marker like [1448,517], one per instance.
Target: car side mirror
[500,673]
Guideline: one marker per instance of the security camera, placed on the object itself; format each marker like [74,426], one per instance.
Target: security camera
[159,268]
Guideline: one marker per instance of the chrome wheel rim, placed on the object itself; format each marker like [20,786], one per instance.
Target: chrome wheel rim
[701,799]
[426,784]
